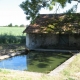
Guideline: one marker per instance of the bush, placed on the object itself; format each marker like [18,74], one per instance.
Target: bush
[12,39]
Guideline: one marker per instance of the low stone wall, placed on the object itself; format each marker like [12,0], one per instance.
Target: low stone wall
[11,54]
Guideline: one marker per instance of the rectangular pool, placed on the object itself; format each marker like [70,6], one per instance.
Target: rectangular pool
[36,61]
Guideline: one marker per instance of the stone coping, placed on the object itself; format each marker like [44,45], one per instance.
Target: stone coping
[56,50]
[57,70]
[9,55]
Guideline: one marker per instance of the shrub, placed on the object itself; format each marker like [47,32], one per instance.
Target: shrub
[12,39]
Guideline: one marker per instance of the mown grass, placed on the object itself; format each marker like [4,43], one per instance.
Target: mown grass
[16,31]
[71,72]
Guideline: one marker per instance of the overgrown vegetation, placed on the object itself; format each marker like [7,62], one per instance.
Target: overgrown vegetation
[32,7]
[6,39]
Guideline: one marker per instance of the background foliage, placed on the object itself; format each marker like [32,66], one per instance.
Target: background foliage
[32,7]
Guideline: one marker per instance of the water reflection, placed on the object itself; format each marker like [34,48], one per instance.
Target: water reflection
[45,61]
[15,63]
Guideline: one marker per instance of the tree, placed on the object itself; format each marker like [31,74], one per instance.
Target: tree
[32,7]
[10,25]
[16,25]
[22,25]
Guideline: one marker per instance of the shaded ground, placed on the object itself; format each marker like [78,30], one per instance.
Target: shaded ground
[10,48]
[62,47]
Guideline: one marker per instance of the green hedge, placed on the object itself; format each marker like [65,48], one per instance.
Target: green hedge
[12,39]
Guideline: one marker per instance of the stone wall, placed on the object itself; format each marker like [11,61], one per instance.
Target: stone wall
[74,40]
[41,40]
[52,41]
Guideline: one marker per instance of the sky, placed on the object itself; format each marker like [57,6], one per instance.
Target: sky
[10,12]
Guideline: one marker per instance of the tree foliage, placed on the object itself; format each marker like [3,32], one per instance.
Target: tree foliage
[32,7]
[10,25]
[22,25]
[16,25]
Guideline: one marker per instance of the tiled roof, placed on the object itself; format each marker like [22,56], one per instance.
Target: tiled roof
[52,23]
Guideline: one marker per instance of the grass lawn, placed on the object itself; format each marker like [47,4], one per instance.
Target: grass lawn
[16,31]
[71,72]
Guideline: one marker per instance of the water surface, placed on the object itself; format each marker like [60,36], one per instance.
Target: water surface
[15,63]
[36,61]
